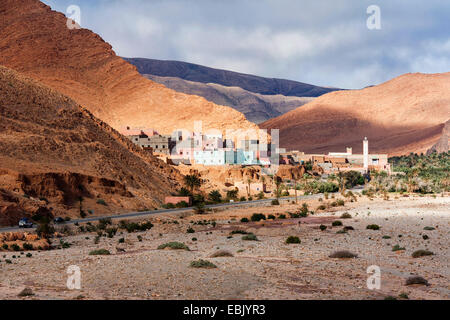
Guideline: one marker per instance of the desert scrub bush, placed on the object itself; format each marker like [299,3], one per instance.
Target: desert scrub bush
[386,237]
[29,255]
[336,223]
[221,253]
[343,254]
[390,298]
[348,228]
[271,217]
[293,240]
[200,208]
[403,295]
[202,264]
[421,253]
[15,247]
[102,202]
[26,293]
[322,227]
[282,216]
[5,246]
[425,237]
[122,240]
[340,202]
[111,232]
[373,227]
[238,232]
[343,231]
[174,246]
[321,207]
[346,215]
[190,230]
[258,217]
[397,248]
[134,226]
[275,202]
[416,280]
[99,252]
[139,237]
[429,228]
[250,237]
[244,220]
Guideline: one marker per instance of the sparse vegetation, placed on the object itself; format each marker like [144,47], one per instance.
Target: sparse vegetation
[336,223]
[174,246]
[397,248]
[221,253]
[293,240]
[422,253]
[343,254]
[258,217]
[27,292]
[416,280]
[275,202]
[99,252]
[250,237]
[323,227]
[373,227]
[346,215]
[202,264]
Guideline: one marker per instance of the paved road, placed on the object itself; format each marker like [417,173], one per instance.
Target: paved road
[161,211]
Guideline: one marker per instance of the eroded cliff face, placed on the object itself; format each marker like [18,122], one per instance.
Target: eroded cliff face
[53,149]
[36,41]
[400,116]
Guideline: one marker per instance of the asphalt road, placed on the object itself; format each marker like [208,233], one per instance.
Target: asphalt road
[161,211]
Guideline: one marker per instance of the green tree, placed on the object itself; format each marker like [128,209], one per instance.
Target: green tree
[192,182]
[215,196]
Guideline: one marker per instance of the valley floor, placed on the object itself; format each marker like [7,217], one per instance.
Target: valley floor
[264,269]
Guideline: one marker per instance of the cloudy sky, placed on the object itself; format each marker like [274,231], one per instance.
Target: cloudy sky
[323,42]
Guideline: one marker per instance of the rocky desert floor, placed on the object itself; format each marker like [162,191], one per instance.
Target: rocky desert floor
[264,269]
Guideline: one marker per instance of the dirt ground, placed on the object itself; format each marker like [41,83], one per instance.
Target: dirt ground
[264,269]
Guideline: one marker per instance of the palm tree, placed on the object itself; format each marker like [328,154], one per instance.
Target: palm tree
[277,181]
[192,182]
[249,182]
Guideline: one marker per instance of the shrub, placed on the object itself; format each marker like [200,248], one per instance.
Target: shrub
[386,237]
[45,229]
[343,231]
[261,195]
[200,208]
[244,220]
[373,227]
[122,240]
[194,239]
[343,254]
[390,298]
[29,255]
[337,223]
[190,230]
[340,202]
[5,246]
[202,264]
[293,240]
[322,227]
[15,247]
[8,261]
[416,280]
[425,237]
[238,232]
[174,246]
[421,253]
[258,217]
[242,199]
[275,202]
[133,226]
[271,217]
[102,202]
[403,295]
[282,216]
[111,232]
[348,228]
[26,293]
[346,216]
[429,228]
[99,252]
[321,207]
[250,237]
[397,248]
[221,253]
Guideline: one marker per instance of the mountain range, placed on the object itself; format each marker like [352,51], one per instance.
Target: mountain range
[258,98]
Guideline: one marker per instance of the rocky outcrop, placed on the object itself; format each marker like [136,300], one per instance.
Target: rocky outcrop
[443,143]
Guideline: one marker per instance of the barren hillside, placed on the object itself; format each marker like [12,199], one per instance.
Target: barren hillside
[53,149]
[406,114]
[35,40]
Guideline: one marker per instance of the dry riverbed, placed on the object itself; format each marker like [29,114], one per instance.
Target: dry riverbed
[264,269]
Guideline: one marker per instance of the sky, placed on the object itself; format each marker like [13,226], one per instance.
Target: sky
[322,42]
